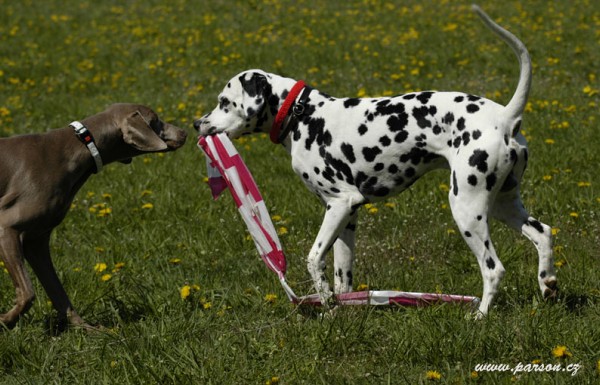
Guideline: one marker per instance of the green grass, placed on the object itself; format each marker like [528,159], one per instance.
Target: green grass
[64,60]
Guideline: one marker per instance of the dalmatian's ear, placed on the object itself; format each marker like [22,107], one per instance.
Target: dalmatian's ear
[253,83]
[256,89]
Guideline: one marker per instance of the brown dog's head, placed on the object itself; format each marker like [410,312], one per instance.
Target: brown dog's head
[128,130]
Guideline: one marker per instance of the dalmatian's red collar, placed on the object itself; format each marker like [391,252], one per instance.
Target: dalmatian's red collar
[281,128]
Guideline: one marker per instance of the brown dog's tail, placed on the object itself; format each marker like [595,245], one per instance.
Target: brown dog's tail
[516,105]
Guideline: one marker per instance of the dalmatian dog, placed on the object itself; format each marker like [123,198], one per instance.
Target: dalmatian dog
[350,151]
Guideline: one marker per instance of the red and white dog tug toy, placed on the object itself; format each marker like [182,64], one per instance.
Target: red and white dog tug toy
[226,169]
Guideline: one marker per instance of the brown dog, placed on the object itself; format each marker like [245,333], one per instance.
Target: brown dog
[39,177]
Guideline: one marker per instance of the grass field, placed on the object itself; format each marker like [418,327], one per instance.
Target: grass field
[140,236]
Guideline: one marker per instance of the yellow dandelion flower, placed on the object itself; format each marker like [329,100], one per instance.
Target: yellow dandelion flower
[390,205]
[274,380]
[118,267]
[106,277]
[362,286]
[146,193]
[104,212]
[270,298]
[444,187]
[589,91]
[99,249]
[561,351]
[549,141]
[573,214]
[547,177]
[474,375]
[584,184]
[92,210]
[598,366]
[206,305]
[184,292]
[276,218]
[147,206]
[560,263]
[373,210]
[282,230]
[147,159]
[433,375]
[100,267]
[181,106]
[451,231]
[555,230]
[106,195]
[361,93]
[537,361]
[175,261]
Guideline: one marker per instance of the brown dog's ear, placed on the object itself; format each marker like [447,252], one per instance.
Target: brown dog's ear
[137,133]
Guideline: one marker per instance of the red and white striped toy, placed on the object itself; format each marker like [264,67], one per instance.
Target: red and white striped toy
[226,169]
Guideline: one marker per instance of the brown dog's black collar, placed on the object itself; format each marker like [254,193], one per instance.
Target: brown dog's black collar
[86,137]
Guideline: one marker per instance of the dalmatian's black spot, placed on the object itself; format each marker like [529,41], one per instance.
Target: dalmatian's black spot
[459,99]
[348,152]
[305,176]
[379,167]
[360,178]
[250,111]
[454,184]
[409,96]
[490,263]
[466,138]
[335,190]
[296,133]
[490,181]
[229,85]
[385,141]
[316,132]
[424,96]
[321,104]
[479,217]
[460,124]
[393,169]
[385,107]
[416,155]
[457,142]
[399,181]
[420,114]
[476,134]
[479,160]
[448,118]
[351,102]
[543,274]
[536,225]
[409,172]
[362,129]
[468,234]
[506,139]
[513,155]
[472,179]
[437,129]
[328,174]
[473,98]
[370,153]
[351,226]
[397,122]
[516,128]
[472,108]
[349,276]
[342,172]
[316,170]
[381,192]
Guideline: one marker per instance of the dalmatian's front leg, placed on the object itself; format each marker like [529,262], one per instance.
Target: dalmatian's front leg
[338,215]
[343,257]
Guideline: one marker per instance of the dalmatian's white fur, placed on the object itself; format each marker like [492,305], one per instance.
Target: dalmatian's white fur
[350,151]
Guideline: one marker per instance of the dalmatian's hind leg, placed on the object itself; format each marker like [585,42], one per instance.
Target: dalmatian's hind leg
[470,205]
[509,209]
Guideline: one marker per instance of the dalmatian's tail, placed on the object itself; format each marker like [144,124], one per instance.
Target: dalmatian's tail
[516,105]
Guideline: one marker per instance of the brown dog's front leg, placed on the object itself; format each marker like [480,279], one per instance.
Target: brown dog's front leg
[37,252]
[11,252]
